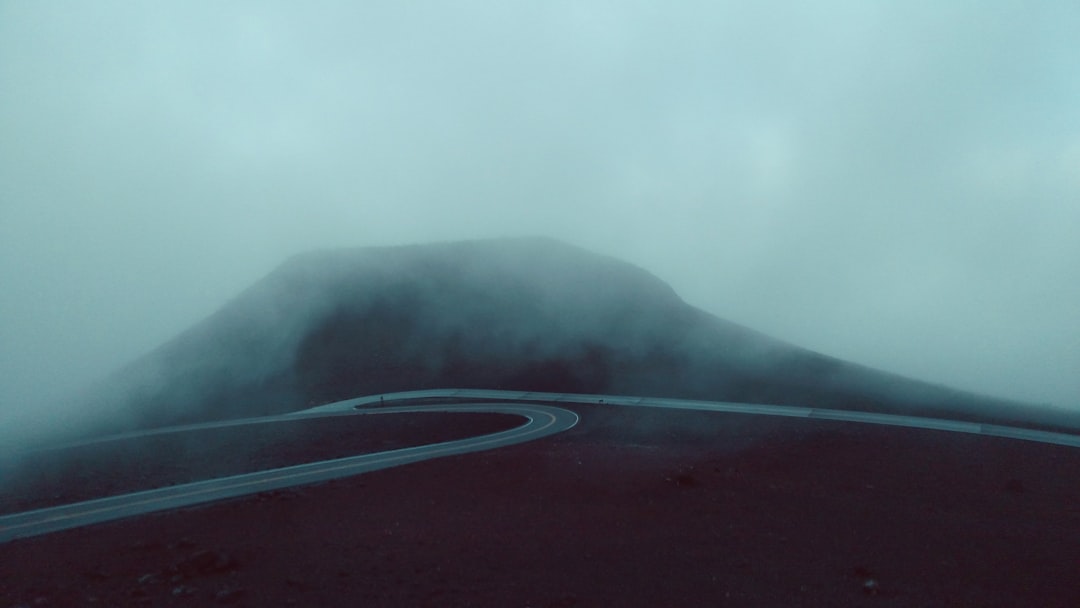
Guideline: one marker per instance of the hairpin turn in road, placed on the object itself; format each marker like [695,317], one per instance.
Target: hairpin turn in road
[543,418]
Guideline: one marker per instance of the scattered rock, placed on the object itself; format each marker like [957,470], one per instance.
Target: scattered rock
[229,595]
[868,581]
[184,591]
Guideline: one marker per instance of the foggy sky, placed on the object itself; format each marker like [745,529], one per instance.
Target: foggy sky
[896,184]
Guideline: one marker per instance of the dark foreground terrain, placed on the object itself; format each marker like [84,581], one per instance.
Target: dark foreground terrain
[59,476]
[632,508]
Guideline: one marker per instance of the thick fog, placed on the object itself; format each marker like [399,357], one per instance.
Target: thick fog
[896,184]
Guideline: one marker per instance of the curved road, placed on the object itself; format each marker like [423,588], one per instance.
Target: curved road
[542,420]
[790,411]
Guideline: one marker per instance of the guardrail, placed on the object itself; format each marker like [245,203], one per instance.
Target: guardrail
[937,424]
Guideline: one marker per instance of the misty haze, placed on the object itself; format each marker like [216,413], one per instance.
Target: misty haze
[222,215]
[892,185]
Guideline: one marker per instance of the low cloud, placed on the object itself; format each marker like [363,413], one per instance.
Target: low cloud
[893,184]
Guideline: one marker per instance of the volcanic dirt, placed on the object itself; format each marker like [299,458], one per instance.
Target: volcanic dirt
[634,507]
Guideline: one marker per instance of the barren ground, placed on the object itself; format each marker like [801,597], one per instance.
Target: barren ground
[632,508]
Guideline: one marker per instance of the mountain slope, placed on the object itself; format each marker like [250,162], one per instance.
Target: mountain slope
[530,314]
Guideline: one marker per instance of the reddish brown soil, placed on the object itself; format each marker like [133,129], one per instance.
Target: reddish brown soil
[632,508]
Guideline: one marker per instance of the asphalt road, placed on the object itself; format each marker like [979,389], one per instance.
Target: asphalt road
[543,419]
[790,411]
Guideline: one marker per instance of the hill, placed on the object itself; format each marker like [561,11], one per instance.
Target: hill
[529,314]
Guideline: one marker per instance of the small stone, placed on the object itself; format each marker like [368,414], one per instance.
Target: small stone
[229,595]
[871,587]
[183,591]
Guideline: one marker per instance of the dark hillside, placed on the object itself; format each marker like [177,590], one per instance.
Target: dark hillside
[531,314]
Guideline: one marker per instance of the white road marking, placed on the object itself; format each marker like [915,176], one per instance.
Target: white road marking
[525,404]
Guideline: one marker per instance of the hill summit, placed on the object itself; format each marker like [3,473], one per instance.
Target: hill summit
[530,314]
